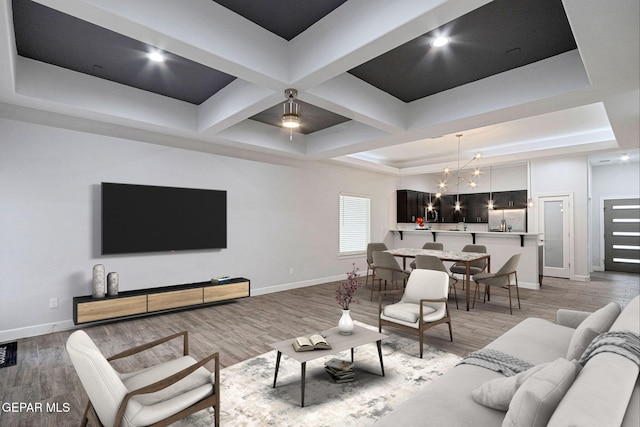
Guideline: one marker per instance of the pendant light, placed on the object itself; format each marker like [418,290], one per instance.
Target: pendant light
[490,193]
[291,113]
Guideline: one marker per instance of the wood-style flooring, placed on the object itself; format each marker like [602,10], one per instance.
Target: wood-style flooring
[243,329]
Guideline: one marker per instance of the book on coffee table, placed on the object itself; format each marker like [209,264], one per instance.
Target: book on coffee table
[314,342]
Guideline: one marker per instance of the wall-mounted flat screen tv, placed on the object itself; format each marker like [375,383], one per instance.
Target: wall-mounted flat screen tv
[144,218]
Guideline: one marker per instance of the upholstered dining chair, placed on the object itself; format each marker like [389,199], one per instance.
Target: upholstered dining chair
[476,267]
[428,262]
[371,248]
[386,267]
[155,396]
[422,306]
[436,246]
[501,278]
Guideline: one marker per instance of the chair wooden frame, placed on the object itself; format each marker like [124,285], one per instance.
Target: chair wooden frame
[422,325]
[213,400]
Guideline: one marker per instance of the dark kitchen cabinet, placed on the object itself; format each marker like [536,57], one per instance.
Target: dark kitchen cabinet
[407,205]
[510,199]
[476,208]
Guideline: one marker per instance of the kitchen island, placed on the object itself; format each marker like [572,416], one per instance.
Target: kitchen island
[500,245]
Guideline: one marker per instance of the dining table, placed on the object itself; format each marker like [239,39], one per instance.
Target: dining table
[456,256]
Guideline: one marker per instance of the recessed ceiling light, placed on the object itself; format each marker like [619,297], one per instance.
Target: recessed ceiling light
[625,157]
[156,56]
[440,41]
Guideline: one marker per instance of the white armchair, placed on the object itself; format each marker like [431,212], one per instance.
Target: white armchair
[156,396]
[423,304]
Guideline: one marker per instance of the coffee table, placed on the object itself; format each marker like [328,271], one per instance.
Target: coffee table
[338,343]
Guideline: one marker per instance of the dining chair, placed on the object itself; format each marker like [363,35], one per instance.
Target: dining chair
[422,306]
[436,246]
[158,395]
[475,267]
[501,278]
[428,262]
[372,247]
[387,268]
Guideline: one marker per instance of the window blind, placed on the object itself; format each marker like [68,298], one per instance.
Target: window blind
[355,224]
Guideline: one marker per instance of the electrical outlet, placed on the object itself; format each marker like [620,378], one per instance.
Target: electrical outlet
[291,271]
[53,303]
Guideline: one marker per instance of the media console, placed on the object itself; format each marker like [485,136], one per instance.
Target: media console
[144,302]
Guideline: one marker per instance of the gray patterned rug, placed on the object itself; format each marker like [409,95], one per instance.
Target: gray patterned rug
[248,399]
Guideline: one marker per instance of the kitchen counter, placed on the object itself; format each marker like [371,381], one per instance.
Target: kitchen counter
[500,245]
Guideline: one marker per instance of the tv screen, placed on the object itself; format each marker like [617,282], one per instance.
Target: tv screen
[143,218]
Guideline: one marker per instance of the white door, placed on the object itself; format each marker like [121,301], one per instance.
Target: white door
[554,214]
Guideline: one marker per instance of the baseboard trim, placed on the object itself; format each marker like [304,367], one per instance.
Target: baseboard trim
[528,285]
[35,330]
[295,285]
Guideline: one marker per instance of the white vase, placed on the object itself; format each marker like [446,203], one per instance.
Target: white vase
[98,281]
[345,325]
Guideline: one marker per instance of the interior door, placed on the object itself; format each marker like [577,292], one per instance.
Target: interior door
[554,214]
[622,235]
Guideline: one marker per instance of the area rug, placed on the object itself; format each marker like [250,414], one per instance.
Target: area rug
[248,398]
[8,354]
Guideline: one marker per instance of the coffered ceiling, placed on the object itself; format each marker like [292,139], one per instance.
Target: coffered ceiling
[520,79]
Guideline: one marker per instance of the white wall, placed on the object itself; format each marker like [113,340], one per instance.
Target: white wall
[620,181]
[497,178]
[279,217]
[566,176]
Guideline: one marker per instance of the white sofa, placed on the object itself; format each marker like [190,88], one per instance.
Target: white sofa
[605,392]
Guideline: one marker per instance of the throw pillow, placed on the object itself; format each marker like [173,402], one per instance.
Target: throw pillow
[598,322]
[537,398]
[497,393]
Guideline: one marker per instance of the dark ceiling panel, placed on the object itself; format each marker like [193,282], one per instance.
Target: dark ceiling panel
[497,37]
[285,18]
[312,118]
[53,37]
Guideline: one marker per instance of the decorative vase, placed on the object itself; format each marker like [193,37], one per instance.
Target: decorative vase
[345,325]
[98,281]
[112,284]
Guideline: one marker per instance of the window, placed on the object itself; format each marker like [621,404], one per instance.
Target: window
[355,224]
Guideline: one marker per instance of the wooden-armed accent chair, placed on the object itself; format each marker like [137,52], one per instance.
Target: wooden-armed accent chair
[428,262]
[436,246]
[371,248]
[423,304]
[155,396]
[476,267]
[386,267]
[501,278]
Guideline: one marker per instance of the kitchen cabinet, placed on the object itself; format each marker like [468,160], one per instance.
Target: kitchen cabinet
[411,204]
[510,199]
[407,205]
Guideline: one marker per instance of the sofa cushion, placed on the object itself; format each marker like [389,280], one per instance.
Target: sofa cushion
[497,393]
[535,341]
[598,322]
[537,398]
[406,312]
[601,395]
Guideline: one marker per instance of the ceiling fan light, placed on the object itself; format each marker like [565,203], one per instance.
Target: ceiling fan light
[291,121]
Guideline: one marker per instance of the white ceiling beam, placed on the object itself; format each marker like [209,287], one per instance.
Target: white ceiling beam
[201,30]
[360,30]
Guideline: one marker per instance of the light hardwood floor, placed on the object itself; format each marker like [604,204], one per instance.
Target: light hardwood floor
[243,329]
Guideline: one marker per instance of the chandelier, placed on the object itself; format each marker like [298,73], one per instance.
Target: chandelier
[459,175]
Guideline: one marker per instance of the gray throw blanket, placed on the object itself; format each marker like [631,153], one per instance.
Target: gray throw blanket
[624,343]
[496,361]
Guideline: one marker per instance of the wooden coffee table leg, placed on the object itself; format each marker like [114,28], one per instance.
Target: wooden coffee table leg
[302,378]
[275,377]
[379,342]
